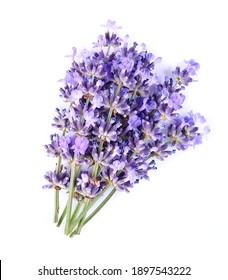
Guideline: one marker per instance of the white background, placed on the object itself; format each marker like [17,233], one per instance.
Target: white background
[179,218]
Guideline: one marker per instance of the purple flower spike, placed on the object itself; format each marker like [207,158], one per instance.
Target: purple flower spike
[88,187]
[133,122]
[192,66]
[111,25]
[117,165]
[120,117]
[176,100]
[54,148]
[80,146]
[57,181]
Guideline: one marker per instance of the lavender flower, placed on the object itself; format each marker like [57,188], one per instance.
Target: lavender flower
[61,122]
[111,25]
[53,149]
[184,132]
[75,96]
[57,181]
[88,187]
[108,40]
[80,145]
[150,131]
[133,122]
[107,132]
[116,103]
[176,100]
[120,118]
[186,75]
[90,118]
[117,165]
[97,101]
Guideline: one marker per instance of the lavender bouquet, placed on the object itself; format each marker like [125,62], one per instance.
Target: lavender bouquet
[119,118]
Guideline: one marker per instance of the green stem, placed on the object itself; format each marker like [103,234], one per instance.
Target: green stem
[95,171]
[111,108]
[109,115]
[99,207]
[76,221]
[56,201]
[70,197]
[100,146]
[95,168]
[118,89]
[62,217]
[108,49]
[81,223]
[76,210]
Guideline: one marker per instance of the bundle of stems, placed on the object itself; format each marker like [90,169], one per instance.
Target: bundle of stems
[84,209]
